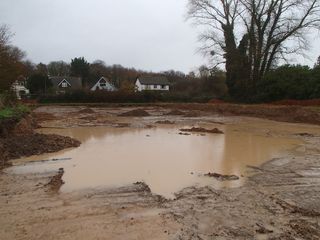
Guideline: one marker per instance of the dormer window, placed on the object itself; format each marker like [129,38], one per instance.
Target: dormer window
[103,83]
[64,85]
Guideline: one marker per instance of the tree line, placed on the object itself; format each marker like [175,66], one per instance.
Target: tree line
[238,82]
[13,63]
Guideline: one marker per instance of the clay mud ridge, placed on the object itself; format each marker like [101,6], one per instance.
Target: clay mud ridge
[221,177]
[86,111]
[41,117]
[18,139]
[135,113]
[202,130]
[294,114]
[174,113]
[56,181]
[36,144]
[165,122]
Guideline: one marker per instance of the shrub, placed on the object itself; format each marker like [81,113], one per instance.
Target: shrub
[14,112]
[7,99]
[286,82]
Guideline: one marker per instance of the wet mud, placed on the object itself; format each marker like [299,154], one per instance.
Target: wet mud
[280,198]
[19,139]
[135,113]
[202,130]
[222,177]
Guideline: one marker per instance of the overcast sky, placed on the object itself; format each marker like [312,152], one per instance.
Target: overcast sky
[145,34]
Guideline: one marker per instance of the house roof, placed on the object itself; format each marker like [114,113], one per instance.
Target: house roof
[110,85]
[150,80]
[92,84]
[75,82]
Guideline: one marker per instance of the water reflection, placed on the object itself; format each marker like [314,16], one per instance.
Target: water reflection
[161,157]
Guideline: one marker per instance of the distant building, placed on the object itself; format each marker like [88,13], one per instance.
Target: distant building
[149,83]
[104,84]
[19,87]
[65,84]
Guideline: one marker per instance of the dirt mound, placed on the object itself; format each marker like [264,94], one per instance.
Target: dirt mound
[14,126]
[310,102]
[192,114]
[18,139]
[36,144]
[56,181]
[7,126]
[202,130]
[143,187]
[221,177]
[25,126]
[89,118]
[216,101]
[296,114]
[122,125]
[174,113]
[86,111]
[164,122]
[135,113]
[43,116]
[305,229]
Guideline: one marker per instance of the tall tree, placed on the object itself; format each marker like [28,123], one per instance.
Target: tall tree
[250,36]
[38,83]
[42,69]
[80,68]
[11,59]
[98,69]
[318,62]
[58,68]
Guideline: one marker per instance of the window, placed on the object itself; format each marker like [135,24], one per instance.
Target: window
[103,83]
[163,86]
[155,86]
[64,84]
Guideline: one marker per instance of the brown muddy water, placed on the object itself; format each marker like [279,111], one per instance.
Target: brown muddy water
[160,157]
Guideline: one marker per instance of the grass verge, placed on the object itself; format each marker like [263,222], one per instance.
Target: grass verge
[14,112]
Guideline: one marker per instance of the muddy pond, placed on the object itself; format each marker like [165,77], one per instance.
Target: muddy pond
[160,157]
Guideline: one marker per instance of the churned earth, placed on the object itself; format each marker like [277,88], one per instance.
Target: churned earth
[267,185]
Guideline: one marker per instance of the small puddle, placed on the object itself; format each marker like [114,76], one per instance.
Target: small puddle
[163,159]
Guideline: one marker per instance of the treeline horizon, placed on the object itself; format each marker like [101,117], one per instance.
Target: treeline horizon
[280,82]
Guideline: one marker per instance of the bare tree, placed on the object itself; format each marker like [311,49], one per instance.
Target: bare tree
[250,36]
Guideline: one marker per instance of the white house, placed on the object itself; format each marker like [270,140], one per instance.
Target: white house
[149,83]
[19,87]
[104,84]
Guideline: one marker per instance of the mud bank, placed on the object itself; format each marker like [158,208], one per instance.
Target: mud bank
[280,201]
[18,139]
[294,114]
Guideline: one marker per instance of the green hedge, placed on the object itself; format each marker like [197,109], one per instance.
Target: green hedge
[289,82]
[122,97]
